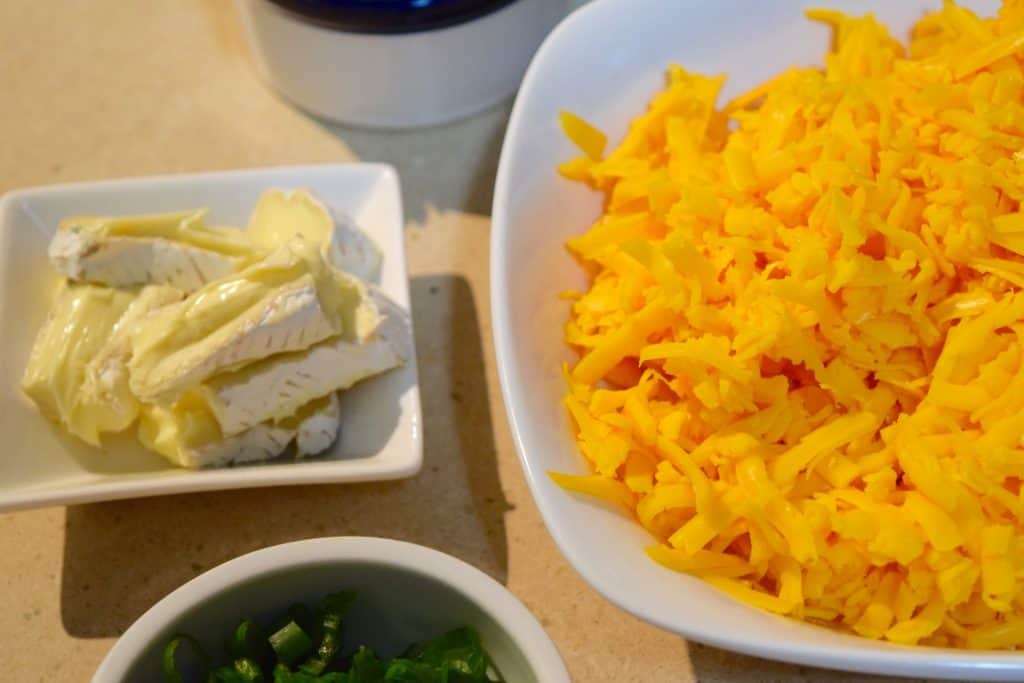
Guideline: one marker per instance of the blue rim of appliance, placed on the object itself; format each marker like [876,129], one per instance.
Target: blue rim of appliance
[389,16]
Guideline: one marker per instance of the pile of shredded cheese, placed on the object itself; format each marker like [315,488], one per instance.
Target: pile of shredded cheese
[802,350]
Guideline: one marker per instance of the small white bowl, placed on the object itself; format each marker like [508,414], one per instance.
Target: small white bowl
[604,63]
[404,593]
[398,80]
[40,465]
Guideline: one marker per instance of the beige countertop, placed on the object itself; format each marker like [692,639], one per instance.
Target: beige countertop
[94,89]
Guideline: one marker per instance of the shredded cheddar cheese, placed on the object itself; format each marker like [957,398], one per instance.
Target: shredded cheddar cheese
[802,350]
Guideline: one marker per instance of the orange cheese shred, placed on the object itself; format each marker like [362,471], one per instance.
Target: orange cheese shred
[801,354]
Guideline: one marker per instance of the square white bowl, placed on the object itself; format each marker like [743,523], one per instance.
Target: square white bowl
[605,62]
[41,465]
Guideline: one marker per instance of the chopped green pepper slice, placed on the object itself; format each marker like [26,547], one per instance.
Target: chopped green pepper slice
[335,606]
[290,643]
[170,658]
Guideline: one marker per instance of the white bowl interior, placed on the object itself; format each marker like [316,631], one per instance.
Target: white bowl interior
[393,608]
[43,465]
[604,63]
[404,594]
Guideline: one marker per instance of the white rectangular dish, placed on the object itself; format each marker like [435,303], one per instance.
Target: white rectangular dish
[41,465]
[604,63]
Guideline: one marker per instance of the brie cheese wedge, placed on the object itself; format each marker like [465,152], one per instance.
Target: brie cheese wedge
[279,216]
[287,302]
[81,320]
[188,437]
[276,387]
[176,249]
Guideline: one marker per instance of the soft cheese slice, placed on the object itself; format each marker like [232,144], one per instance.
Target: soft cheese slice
[81,320]
[288,317]
[288,301]
[188,436]
[279,216]
[105,387]
[176,249]
[319,423]
[275,387]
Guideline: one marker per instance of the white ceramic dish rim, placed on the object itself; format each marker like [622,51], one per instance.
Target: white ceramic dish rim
[310,471]
[871,656]
[509,613]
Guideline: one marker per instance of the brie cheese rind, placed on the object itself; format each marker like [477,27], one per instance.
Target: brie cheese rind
[319,425]
[81,320]
[280,216]
[176,249]
[287,302]
[350,249]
